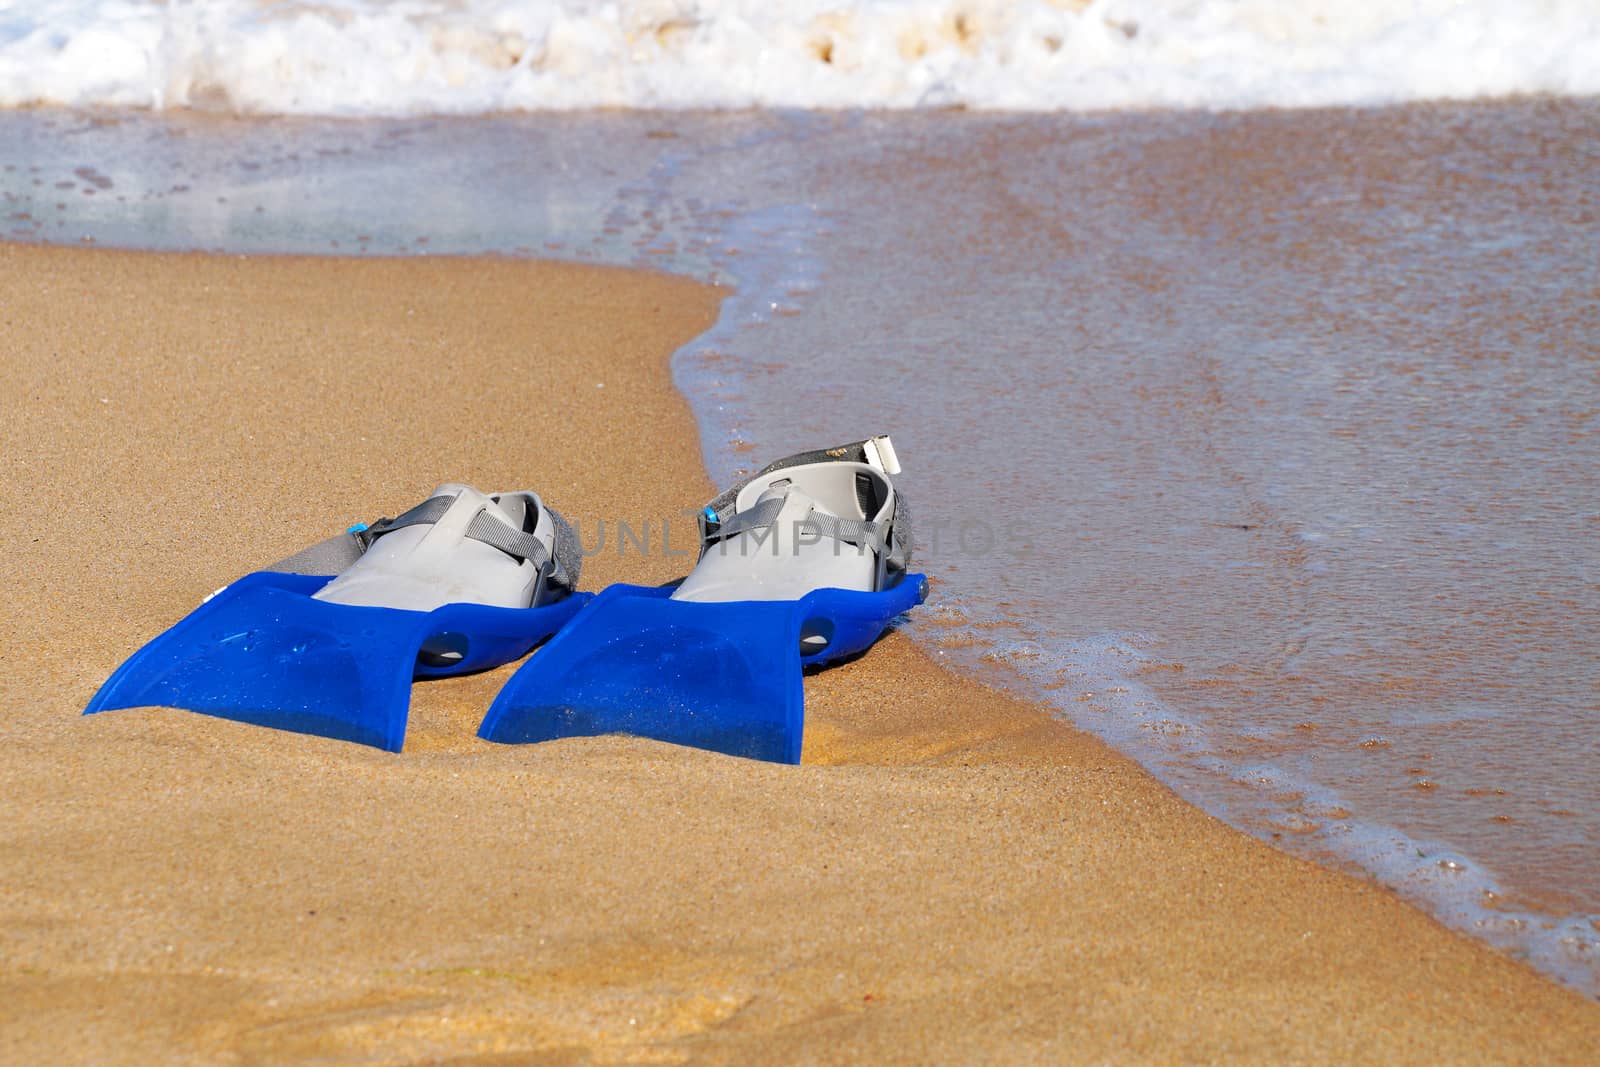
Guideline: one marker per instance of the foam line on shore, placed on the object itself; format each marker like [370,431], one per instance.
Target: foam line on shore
[369,57]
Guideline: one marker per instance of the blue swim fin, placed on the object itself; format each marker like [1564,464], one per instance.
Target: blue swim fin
[264,651]
[724,676]
[800,565]
[463,582]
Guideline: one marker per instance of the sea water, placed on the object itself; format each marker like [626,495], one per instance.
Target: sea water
[1260,443]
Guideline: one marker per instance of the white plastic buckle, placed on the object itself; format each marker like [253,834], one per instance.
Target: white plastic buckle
[880,454]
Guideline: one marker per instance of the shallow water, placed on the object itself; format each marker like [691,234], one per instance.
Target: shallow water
[1261,444]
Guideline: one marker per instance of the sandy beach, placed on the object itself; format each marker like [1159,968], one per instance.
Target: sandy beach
[951,875]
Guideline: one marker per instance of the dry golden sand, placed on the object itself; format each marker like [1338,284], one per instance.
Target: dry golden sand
[954,876]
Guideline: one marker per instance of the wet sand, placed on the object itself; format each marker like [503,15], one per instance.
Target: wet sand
[953,875]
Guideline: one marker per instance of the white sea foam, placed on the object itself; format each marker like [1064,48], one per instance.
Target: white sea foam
[370,57]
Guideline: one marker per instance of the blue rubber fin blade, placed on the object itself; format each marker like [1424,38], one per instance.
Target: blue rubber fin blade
[264,651]
[720,676]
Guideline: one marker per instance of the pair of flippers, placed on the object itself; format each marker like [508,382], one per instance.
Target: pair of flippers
[800,565]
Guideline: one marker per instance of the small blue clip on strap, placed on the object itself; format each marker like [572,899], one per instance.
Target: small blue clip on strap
[264,651]
[720,676]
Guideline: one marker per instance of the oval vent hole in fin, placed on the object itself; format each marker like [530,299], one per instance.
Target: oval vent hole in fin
[443,650]
[815,636]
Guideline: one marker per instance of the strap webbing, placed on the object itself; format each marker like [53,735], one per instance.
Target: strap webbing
[858,532]
[335,555]
[483,527]
[331,556]
[760,517]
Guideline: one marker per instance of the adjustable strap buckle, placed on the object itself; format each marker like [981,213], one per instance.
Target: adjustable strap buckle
[879,452]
